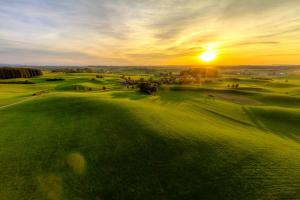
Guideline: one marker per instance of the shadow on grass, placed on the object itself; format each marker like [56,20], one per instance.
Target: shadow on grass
[123,158]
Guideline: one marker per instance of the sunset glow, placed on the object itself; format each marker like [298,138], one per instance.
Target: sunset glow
[146,32]
[208,56]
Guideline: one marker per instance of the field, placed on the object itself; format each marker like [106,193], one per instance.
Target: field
[186,142]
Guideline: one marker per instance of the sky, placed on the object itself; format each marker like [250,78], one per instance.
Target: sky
[149,32]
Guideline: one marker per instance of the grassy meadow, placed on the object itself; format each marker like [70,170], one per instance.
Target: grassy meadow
[186,142]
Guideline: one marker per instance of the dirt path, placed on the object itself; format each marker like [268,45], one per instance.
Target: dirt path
[16,103]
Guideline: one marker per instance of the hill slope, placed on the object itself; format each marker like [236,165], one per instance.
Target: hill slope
[124,145]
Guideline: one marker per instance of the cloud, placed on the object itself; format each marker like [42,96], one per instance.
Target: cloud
[246,43]
[238,8]
[110,32]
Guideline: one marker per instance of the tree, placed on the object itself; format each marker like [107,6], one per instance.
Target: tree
[147,87]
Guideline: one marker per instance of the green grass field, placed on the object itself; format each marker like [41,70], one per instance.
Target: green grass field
[121,144]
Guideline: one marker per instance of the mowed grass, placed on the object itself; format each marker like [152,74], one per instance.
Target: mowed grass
[121,144]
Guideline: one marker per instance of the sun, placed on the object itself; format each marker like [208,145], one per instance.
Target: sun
[208,56]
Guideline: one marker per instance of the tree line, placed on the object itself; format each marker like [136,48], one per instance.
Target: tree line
[8,72]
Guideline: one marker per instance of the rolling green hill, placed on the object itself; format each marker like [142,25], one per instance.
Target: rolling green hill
[120,144]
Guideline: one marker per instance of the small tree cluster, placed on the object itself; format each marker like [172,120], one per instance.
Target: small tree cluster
[99,76]
[82,88]
[147,87]
[233,86]
[128,80]
[191,76]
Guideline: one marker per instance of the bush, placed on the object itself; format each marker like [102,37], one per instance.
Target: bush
[55,79]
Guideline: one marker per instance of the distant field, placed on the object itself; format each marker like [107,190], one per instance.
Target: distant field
[187,142]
